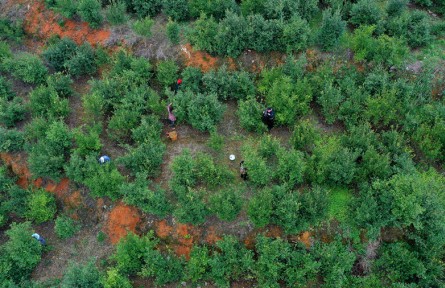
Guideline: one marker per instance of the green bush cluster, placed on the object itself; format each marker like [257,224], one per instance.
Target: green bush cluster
[12,109]
[202,111]
[27,67]
[289,98]
[276,261]
[10,30]
[47,157]
[152,201]
[228,84]
[65,56]
[66,227]
[235,33]
[20,254]
[292,210]
[41,206]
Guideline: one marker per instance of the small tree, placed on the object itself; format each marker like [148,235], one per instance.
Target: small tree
[178,10]
[116,13]
[41,206]
[27,67]
[81,276]
[226,204]
[47,157]
[173,32]
[66,227]
[90,11]
[167,72]
[331,30]
[20,254]
[143,26]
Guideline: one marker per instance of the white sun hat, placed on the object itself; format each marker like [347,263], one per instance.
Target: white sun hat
[232,157]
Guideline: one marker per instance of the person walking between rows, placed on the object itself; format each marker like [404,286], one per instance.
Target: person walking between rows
[171,116]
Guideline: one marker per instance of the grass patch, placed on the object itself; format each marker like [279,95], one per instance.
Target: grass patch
[339,199]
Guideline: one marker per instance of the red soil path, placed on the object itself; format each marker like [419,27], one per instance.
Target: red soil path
[121,220]
[44,23]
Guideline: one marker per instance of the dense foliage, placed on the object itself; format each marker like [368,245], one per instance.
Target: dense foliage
[346,190]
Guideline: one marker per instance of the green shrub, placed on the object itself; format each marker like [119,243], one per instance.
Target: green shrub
[231,261]
[10,30]
[11,140]
[35,130]
[365,12]
[258,171]
[178,10]
[66,227]
[260,209]
[231,38]
[296,34]
[145,8]
[216,8]
[418,31]
[138,194]
[331,30]
[80,168]
[27,67]
[198,266]
[83,62]
[272,254]
[60,52]
[216,141]
[203,35]
[336,260]
[166,72]
[384,49]
[226,204]
[116,13]
[149,130]
[41,206]
[203,112]
[114,279]
[192,79]
[143,26]
[229,85]
[94,106]
[90,11]
[46,103]
[289,100]
[20,254]
[305,135]
[11,111]
[291,167]
[67,8]
[264,34]
[87,142]
[173,32]
[61,83]
[105,180]
[191,208]
[249,113]
[81,275]
[145,158]
[130,251]
[164,268]
[122,122]
[47,157]
[395,8]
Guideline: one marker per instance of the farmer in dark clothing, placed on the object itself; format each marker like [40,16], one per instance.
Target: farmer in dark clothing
[269,118]
[243,170]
